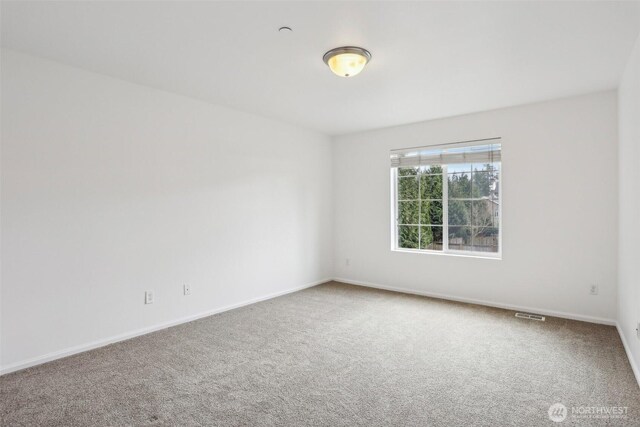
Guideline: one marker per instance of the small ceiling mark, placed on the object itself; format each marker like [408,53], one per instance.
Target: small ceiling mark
[285,30]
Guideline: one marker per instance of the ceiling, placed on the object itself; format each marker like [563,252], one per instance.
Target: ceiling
[430,59]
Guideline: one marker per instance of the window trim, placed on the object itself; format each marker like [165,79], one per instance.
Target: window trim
[445,223]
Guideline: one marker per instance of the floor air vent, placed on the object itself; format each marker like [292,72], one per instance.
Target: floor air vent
[530,316]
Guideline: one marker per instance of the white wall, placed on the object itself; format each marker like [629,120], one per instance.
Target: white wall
[110,189]
[629,220]
[559,209]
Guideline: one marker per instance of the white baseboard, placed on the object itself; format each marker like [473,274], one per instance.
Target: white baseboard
[632,361]
[128,335]
[562,314]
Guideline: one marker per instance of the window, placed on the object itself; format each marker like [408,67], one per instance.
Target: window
[447,198]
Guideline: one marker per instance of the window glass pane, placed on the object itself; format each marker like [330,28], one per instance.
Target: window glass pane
[485,167]
[460,168]
[483,213]
[460,238]
[408,188]
[485,239]
[431,170]
[459,212]
[408,237]
[482,184]
[431,187]
[460,185]
[407,171]
[431,213]
[408,212]
[431,238]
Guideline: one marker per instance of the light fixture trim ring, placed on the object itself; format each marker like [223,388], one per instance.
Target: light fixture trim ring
[346,49]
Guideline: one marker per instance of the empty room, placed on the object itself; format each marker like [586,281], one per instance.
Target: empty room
[320,213]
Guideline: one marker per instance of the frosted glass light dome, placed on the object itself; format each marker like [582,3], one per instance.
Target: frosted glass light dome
[347,61]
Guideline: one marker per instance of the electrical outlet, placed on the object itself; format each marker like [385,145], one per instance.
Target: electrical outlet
[593,290]
[187,289]
[347,262]
[148,297]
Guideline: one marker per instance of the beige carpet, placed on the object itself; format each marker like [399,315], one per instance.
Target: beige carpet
[336,355]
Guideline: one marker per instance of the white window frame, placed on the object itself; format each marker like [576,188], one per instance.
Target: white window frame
[445,221]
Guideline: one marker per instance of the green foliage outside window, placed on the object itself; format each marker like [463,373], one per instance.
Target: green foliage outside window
[472,206]
[469,219]
[420,208]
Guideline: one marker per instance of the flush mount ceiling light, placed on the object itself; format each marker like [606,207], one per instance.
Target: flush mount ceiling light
[347,61]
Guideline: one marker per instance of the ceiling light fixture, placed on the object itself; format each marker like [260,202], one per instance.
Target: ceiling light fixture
[347,61]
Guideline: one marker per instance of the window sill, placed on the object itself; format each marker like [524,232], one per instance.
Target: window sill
[497,257]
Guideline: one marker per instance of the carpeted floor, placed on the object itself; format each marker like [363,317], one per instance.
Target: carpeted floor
[336,355]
